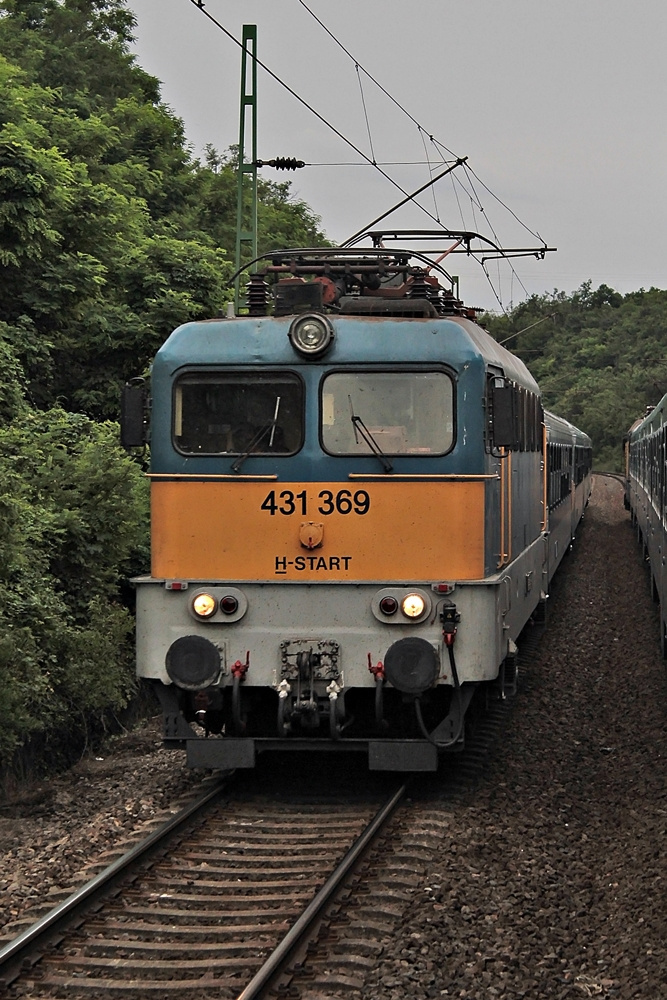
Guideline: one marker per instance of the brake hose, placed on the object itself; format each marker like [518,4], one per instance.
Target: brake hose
[457,690]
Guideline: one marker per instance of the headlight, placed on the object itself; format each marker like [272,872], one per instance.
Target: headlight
[311,334]
[217,606]
[401,606]
[413,606]
[204,605]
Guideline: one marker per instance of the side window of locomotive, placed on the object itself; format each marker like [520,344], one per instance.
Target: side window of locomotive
[515,416]
[403,413]
[230,413]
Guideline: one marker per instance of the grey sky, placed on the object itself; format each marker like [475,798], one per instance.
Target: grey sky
[560,106]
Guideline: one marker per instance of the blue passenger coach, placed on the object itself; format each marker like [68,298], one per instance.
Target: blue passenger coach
[645,450]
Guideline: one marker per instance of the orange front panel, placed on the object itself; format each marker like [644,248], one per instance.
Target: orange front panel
[389,530]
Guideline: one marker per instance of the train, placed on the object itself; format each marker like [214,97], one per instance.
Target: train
[645,460]
[357,504]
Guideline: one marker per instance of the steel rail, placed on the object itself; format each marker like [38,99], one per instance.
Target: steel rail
[294,936]
[612,475]
[17,949]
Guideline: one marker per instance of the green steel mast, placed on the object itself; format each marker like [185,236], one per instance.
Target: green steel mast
[246,203]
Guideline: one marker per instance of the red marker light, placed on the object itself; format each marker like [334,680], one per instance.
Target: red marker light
[229,605]
[388,605]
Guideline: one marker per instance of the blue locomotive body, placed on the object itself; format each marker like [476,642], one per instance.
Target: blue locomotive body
[357,505]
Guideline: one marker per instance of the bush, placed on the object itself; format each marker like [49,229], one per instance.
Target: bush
[73,524]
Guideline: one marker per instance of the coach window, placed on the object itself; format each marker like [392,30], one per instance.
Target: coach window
[231,413]
[404,413]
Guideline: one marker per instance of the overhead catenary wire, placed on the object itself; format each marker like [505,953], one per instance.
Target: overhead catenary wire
[408,197]
[368,124]
[481,209]
[199,4]
[431,170]
[491,286]
[369,75]
[371,160]
[423,131]
[506,207]
[458,201]
[382,163]
[441,147]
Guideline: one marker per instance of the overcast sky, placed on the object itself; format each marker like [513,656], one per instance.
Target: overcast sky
[560,107]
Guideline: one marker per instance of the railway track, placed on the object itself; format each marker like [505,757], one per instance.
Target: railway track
[481,885]
[218,900]
[244,891]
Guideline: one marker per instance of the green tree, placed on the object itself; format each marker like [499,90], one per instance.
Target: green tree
[110,233]
[73,523]
[599,357]
[79,47]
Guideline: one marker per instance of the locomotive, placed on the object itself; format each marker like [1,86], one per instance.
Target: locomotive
[357,504]
[645,453]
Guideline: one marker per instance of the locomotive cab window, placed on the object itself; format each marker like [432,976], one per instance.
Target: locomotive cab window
[403,413]
[218,413]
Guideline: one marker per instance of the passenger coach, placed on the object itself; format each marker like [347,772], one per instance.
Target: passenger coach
[645,451]
[357,504]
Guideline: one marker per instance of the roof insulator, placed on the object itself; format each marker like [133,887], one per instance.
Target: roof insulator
[257,295]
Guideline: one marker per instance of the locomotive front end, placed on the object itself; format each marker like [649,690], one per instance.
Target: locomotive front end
[321,488]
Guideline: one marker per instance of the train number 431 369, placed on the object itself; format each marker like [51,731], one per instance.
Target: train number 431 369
[342,502]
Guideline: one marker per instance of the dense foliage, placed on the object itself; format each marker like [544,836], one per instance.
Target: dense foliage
[111,234]
[73,520]
[599,357]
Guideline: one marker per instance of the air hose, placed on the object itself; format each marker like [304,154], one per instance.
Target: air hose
[457,691]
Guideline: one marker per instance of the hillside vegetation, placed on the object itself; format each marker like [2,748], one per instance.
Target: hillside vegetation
[600,357]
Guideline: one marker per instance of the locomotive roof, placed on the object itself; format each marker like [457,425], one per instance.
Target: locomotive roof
[371,296]
[497,355]
[264,341]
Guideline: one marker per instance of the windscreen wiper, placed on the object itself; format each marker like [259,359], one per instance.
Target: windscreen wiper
[361,428]
[270,425]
